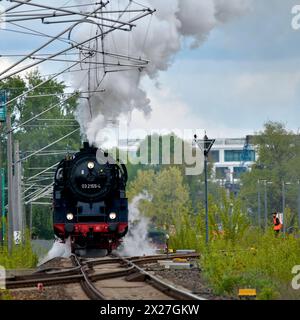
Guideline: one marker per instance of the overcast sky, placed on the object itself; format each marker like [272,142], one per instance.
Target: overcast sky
[247,72]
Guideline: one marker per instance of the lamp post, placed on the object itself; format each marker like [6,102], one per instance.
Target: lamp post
[283,207]
[266,183]
[205,145]
[284,184]
[298,205]
[266,205]
[258,204]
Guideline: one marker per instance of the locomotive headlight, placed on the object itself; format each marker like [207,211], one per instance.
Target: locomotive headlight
[112,216]
[91,165]
[70,216]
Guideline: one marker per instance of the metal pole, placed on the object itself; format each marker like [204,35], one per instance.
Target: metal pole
[9,182]
[283,207]
[299,207]
[206,199]
[19,209]
[206,147]
[2,214]
[266,206]
[30,220]
[2,206]
[259,204]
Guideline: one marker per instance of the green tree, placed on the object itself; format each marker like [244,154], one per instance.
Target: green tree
[278,162]
[36,134]
[166,195]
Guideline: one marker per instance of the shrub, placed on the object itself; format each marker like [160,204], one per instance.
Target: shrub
[241,256]
[21,257]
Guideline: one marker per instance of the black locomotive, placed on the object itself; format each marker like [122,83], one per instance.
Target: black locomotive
[89,200]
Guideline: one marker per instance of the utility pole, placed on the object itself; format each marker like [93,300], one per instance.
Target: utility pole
[30,220]
[2,204]
[266,205]
[258,204]
[2,173]
[298,206]
[205,145]
[9,182]
[1,196]
[18,212]
[283,207]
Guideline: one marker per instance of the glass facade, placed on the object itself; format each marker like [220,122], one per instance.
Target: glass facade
[238,171]
[239,155]
[214,156]
[221,173]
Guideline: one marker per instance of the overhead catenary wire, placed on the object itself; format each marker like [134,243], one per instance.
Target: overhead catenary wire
[45,111]
[37,50]
[41,84]
[64,50]
[82,48]
[13,7]
[42,172]
[49,145]
[65,7]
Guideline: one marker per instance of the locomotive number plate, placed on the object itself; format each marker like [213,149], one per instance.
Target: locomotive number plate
[91,186]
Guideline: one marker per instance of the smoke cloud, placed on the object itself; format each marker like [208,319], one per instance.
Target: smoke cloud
[136,243]
[58,250]
[158,41]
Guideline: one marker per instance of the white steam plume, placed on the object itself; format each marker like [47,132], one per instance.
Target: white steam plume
[174,21]
[58,250]
[136,243]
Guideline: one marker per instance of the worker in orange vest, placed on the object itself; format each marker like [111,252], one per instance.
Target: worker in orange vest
[277,224]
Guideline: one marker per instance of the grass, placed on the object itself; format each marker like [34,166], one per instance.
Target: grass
[21,257]
[240,256]
[262,262]
[5,295]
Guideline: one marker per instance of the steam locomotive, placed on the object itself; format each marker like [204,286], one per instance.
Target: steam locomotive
[89,201]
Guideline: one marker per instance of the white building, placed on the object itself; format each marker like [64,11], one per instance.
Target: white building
[231,158]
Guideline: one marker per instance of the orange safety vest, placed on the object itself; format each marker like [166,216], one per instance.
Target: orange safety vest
[277,227]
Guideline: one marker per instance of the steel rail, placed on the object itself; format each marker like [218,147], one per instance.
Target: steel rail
[162,286]
[80,274]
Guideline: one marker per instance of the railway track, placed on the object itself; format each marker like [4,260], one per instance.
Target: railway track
[113,278]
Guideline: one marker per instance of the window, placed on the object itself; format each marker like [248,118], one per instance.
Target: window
[221,173]
[238,171]
[239,155]
[214,156]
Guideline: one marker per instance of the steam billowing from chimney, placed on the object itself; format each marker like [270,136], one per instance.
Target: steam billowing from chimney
[174,21]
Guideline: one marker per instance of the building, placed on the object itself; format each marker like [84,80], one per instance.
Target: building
[231,158]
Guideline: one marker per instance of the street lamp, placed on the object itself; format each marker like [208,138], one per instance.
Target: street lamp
[266,202]
[205,145]
[298,205]
[258,204]
[283,205]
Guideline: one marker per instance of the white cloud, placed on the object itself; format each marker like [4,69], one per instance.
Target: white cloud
[170,112]
[237,95]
